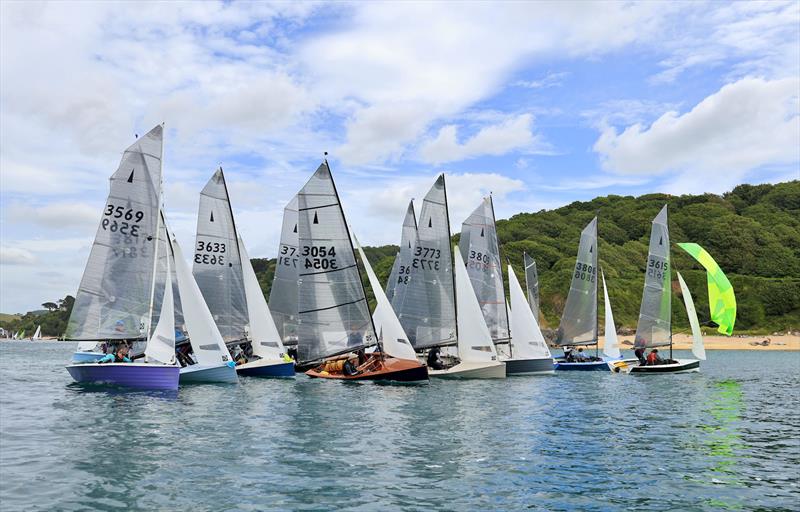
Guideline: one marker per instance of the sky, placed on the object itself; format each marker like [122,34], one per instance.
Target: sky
[539,103]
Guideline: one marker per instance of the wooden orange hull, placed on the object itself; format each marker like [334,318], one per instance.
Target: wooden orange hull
[389,368]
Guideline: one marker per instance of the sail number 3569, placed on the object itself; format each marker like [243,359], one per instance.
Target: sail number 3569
[122,220]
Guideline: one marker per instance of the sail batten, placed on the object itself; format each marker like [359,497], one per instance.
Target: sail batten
[579,320]
[654,328]
[332,310]
[480,250]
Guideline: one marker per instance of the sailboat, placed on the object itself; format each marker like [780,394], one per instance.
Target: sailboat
[230,288]
[332,312]
[37,335]
[578,325]
[530,355]
[401,269]
[531,284]
[283,294]
[114,304]
[426,303]
[479,247]
[655,314]
[212,362]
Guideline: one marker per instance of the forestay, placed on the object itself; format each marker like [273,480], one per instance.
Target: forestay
[393,339]
[332,308]
[217,266]
[479,248]
[283,294]
[401,269]
[579,320]
[265,340]
[114,298]
[611,345]
[527,341]
[654,328]
[207,343]
[698,348]
[427,308]
[475,344]
[532,284]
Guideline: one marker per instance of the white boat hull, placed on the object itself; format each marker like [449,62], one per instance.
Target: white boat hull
[199,374]
[491,370]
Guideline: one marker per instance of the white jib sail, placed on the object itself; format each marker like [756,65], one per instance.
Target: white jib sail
[474,341]
[698,349]
[393,337]
[527,341]
[611,345]
[207,343]
[161,345]
[266,341]
[38,334]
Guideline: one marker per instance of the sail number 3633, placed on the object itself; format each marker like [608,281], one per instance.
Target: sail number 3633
[210,253]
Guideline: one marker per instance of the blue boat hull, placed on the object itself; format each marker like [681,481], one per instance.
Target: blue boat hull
[133,375]
[197,374]
[267,369]
[86,357]
[591,366]
[539,366]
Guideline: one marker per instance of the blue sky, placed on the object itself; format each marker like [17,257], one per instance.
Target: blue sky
[541,103]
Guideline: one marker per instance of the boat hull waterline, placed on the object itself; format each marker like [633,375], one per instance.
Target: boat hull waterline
[588,366]
[133,375]
[390,369]
[493,370]
[203,374]
[681,366]
[535,366]
[266,368]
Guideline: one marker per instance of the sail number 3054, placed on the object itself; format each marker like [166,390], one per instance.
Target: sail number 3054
[319,258]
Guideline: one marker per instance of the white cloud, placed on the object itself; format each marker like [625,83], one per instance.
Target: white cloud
[56,215]
[745,125]
[513,134]
[549,80]
[16,256]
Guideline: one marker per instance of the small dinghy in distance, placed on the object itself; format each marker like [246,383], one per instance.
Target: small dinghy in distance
[115,301]
[654,329]
[226,278]
[332,309]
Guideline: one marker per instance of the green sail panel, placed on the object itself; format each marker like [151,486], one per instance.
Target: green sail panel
[721,298]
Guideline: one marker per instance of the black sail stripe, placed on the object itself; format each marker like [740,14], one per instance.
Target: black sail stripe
[317,207]
[325,271]
[331,307]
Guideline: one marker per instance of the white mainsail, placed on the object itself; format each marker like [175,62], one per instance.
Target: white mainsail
[527,341]
[579,320]
[207,343]
[217,264]
[114,299]
[481,251]
[38,334]
[654,328]
[332,308]
[400,277]
[611,345]
[475,344]
[266,341]
[393,338]
[283,294]
[698,348]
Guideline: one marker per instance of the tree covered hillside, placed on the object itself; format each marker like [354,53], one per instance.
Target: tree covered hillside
[753,232]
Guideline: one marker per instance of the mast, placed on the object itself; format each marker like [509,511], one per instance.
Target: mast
[358,268]
[158,233]
[450,249]
[669,283]
[505,303]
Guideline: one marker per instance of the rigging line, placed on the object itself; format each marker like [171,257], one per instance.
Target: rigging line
[331,307]
[327,271]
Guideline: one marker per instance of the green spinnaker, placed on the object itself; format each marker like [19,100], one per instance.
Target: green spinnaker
[721,299]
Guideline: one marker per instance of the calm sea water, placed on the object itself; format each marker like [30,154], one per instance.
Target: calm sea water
[724,438]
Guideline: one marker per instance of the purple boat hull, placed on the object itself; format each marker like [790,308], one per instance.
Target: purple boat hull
[133,375]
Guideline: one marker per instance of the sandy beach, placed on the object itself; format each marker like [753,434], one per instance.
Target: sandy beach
[684,341]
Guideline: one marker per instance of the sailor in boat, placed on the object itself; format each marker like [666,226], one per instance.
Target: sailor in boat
[434,361]
[120,355]
[639,353]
